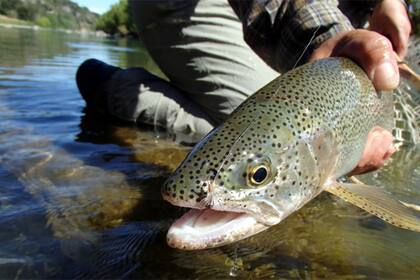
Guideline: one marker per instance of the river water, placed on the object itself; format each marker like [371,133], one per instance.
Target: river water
[79,195]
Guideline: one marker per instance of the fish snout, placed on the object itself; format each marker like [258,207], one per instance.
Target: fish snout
[185,194]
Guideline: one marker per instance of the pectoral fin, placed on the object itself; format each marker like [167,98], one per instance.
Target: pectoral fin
[409,205]
[378,203]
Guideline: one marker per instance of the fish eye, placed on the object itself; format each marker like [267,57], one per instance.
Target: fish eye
[258,175]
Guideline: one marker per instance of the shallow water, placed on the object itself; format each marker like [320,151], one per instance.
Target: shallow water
[79,195]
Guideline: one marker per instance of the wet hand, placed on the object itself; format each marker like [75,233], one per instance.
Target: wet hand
[377,150]
[390,19]
[371,50]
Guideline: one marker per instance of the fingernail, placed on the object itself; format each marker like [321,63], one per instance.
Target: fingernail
[385,76]
[376,134]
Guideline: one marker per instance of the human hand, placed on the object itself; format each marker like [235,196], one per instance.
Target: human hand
[390,19]
[374,53]
[377,150]
[371,50]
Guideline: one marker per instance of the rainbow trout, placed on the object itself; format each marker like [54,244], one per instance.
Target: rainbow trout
[282,147]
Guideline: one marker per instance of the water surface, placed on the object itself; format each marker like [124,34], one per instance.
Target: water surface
[79,194]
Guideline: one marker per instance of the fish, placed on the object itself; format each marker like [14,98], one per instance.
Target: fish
[283,146]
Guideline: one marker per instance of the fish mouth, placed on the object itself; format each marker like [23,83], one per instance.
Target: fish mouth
[208,228]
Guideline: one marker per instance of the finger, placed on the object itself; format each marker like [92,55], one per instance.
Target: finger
[368,150]
[377,149]
[404,30]
[399,37]
[325,49]
[391,150]
[374,53]
[402,43]
[381,147]
[396,38]
[390,18]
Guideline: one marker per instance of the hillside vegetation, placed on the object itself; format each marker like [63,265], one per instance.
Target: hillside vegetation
[50,13]
[117,20]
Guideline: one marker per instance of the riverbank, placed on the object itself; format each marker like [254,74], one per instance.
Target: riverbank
[8,22]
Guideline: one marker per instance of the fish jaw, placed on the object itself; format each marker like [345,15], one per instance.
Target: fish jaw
[199,204]
[212,223]
[204,229]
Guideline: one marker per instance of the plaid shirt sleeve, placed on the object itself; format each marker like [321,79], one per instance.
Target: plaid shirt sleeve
[281,31]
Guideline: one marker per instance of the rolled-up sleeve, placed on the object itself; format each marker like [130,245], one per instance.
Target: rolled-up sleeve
[284,31]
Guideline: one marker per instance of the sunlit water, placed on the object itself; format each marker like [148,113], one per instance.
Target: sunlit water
[79,195]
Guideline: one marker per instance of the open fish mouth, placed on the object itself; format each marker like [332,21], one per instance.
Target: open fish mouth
[209,228]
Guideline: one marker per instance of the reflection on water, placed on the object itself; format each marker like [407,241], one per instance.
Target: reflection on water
[79,196]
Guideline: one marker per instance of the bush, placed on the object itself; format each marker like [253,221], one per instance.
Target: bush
[49,13]
[117,20]
[6,6]
[44,22]
[26,12]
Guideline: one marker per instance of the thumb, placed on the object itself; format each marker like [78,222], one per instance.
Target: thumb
[372,51]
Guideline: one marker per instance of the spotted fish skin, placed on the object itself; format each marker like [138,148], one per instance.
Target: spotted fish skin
[308,127]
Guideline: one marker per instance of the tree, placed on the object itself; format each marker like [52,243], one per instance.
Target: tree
[49,13]
[26,12]
[117,20]
[6,6]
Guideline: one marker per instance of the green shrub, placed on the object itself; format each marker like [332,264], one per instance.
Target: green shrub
[6,6]
[26,12]
[44,22]
[49,13]
[117,20]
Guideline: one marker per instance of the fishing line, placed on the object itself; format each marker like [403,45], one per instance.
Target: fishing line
[306,47]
